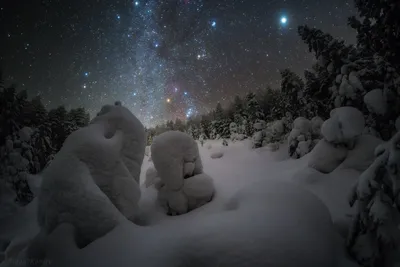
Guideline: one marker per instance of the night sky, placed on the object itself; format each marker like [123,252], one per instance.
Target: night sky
[164,59]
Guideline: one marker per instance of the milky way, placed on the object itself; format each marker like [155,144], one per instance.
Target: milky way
[164,59]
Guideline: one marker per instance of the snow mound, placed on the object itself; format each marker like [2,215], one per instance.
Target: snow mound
[363,154]
[176,158]
[343,126]
[119,118]
[325,157]
[376,101]
[217,155]
[90,180]
[244,235]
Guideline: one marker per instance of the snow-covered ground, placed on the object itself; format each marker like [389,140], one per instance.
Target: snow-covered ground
[239,167]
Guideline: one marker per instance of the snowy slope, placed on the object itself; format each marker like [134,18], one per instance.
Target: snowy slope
[240,166]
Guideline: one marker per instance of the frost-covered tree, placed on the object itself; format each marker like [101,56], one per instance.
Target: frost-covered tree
[378,29]
[253,111]
[292,93]
[374,236]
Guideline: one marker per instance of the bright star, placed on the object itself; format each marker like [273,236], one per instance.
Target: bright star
[176,89]
[136,3]
[86,74]
[185,93]
[118,16]
[213,24]
[168,100]
[134,94]
[84,86]
[283,20]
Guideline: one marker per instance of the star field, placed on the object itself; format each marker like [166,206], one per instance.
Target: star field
[164,59]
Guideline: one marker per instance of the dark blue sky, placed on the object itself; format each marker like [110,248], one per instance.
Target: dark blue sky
[163,58]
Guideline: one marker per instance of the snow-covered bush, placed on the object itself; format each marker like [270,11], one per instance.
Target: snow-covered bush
[259,134]
[344,126]
[316,124]
[176,158]
[300,138]
[374,236]
[233,128]
[274,132]
[326,157]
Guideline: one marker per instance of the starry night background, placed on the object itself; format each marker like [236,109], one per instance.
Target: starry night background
[163,59]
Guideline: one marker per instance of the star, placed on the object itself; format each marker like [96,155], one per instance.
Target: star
[118,16]
[86,74]
[136,3]
[185,93]
[168,100]
[213,24]
[283,20]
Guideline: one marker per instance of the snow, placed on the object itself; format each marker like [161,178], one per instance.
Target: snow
[316,124]
[325,157]
[355,81]
[376,101]
[266,211]
[343,126]
[217,155]
[119,118]
[178,163]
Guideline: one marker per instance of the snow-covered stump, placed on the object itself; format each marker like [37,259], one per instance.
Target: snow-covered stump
[183,185]
[374,236]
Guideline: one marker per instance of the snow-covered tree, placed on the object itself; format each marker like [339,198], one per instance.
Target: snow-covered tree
[292,93]
[374,236]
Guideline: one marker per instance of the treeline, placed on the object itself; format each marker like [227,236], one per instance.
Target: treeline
[364,75]
[30,136]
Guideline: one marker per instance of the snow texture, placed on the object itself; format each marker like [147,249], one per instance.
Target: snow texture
[343,126]
[376,101]
[325,157]
[177,160]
